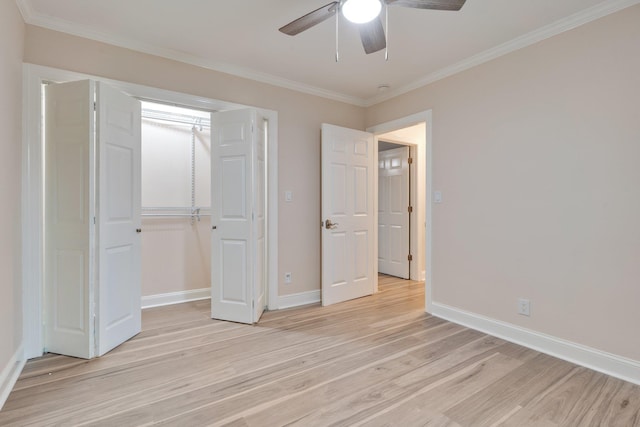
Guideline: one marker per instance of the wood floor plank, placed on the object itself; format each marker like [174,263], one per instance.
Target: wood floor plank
[451,392]
[260,374]
[522,385]
[375,361]
[225,399]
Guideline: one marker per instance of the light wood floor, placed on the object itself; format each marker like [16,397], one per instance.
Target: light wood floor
[376,361]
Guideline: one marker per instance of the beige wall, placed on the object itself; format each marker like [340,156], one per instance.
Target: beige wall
[537,155]
[299,119]
[11,42]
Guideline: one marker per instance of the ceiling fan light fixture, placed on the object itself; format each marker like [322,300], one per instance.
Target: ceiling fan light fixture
[361,11]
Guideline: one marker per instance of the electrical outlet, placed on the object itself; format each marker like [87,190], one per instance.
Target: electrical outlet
[287,277]
[524,307]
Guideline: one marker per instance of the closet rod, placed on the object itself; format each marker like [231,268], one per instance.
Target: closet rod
[172,215]
[185,120]
[173,208]
[175,212]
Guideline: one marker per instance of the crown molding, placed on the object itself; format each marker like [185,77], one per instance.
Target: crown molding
[573,21]
[25,9]
[569,23]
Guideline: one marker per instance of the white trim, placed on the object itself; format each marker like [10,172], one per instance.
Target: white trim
[607,363]
[376,218]
[32,191]
[427,118]
[272,210]
[171,298]
[302,298]
[10,374]
[565,24]
[32,206]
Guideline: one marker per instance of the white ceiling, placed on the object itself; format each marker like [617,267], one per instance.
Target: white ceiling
[241,37]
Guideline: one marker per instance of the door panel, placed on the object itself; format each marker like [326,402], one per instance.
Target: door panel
[347,201]
[234,237]
[233,197]
[68,275]
[119,163]
[393,214]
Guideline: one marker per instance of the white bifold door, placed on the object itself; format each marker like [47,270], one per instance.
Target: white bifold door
[238,249]
[393,212]
[92,218]
[348,241]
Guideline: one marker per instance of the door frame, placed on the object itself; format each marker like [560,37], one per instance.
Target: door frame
[32,186]
[401,123]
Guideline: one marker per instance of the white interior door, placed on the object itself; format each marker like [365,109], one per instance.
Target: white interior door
[237,235]
[68,253]
[92,213]
[119,221]
[393,212]
[348,246]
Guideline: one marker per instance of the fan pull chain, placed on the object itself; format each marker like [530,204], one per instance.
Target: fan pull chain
[337,34]
[386,27]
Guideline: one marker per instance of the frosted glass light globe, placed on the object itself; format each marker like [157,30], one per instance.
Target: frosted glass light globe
[361,11]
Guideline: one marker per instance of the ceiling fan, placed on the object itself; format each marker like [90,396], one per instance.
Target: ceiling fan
[366,14]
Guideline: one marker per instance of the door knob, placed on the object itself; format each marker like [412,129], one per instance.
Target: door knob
[330,225]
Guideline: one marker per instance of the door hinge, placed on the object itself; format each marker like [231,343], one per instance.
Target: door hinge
[410,257]
[410,209]
[95,107]
[410,160]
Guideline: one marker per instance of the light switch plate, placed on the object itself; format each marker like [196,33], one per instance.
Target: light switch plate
[288,196]
[437,196]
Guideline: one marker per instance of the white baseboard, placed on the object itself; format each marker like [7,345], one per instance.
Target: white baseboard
[607,363]
[10,374]
[175,297]
[295,300]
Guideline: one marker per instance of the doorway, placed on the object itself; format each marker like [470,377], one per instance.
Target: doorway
[424,186]
[413,137]
[350,205]
[176,204]
[33,186]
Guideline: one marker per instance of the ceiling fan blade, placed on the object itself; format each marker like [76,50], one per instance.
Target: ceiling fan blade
[429,4]
[372,35]
[310,19]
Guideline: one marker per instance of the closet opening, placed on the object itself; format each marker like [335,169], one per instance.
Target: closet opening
[107,176]
[176,204]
